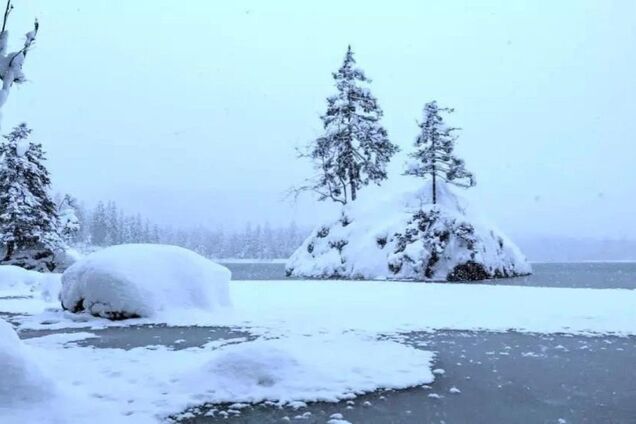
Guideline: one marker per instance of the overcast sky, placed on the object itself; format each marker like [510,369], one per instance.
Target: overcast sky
[189,112]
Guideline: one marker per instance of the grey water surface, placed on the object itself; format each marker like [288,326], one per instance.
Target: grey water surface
[599,275]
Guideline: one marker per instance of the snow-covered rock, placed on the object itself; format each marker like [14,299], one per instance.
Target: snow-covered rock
[143,280]
[405,237]
[21,380]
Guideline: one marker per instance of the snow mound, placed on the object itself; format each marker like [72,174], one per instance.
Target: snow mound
[15,278]
[310,369]
[143,280]
[406,237]
[21,380]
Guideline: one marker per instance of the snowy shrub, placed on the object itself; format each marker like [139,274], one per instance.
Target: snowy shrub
[407,237]
[143,280]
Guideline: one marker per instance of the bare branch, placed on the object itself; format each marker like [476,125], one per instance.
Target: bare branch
[7,10]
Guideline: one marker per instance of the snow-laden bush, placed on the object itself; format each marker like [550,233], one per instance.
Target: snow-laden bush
[143,280]
[21,380]
[405,236]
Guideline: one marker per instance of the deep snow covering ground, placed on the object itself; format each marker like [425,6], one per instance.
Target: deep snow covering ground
[301,307]
[14,279]
[403,235]
[142,280]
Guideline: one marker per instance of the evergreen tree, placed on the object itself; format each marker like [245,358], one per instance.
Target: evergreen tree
[99,226]
[354,149]
[433,155]
[28,214]
[69,221]
[113,225]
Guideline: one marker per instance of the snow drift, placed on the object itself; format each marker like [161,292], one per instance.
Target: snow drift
[406,237]
[316,368]
[15,278]
[21,380]
[143,280]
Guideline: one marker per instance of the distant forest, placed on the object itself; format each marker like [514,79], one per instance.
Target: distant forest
[107,224]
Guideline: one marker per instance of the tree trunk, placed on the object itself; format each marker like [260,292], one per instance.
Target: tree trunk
[434,187]
[9,253]
[353,190]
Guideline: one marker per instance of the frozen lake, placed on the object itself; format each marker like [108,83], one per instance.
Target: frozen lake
[481,377]
[489,378]
[599,275]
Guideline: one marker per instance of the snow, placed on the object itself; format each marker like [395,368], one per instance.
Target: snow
[113,386]
[18,279]
[21,381]
[382,307]
[144,280]
[317,368]
[22,146]
[402,236]
[319,340]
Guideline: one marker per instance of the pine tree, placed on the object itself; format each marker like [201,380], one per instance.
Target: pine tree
[433,155]
[98,225]
[28,214]
[354,149]
[68,221]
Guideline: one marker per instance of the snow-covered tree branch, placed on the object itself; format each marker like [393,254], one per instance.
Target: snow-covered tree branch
[11,63]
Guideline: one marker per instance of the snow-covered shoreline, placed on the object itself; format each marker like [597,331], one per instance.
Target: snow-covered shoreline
[280,307]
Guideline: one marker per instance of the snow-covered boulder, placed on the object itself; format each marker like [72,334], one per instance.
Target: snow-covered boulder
[143,280]
[21,380]
[406,237]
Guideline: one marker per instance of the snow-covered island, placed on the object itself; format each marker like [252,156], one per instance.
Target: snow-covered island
[404,236]
[425,233]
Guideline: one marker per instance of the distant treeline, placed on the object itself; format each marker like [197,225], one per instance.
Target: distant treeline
[107,225]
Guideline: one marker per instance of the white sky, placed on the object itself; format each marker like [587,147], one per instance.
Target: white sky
[189,112]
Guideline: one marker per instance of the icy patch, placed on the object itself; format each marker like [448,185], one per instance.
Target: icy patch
[143,280]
